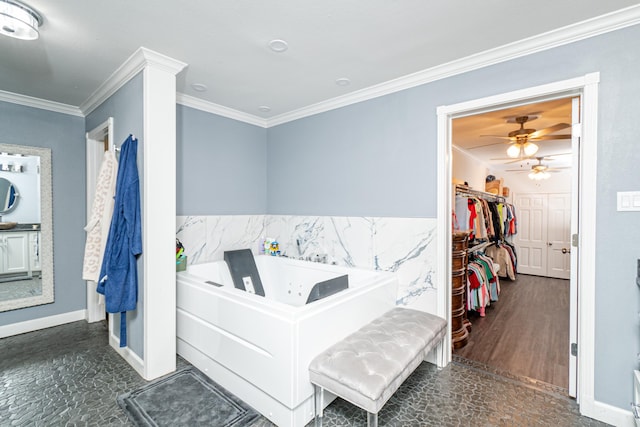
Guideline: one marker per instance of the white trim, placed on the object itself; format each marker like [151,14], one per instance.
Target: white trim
[576,136]
[125,352]
[609,414]
[579,31]
[103,129]
[586,240]
[132,66]
[220,110]
[588,86]
[43,104]
[135,63]
[158,221]
[443,226]
[41,323]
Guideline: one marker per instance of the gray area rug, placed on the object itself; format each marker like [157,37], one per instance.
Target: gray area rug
[186,398]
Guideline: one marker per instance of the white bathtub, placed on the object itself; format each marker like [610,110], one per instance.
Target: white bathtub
[259,348]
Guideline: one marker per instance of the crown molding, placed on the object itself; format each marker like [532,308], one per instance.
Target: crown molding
[43,104]
[579,31]
[210,107]
[140,59]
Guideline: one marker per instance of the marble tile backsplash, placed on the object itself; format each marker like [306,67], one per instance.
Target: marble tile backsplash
[405,246]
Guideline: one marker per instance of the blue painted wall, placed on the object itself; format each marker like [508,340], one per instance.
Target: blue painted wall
[378,158]
[126,108]
[64,135]
[227,157]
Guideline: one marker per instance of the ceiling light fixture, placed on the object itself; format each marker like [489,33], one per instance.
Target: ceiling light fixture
[522,148]
[18,20]
[343,81]
[264,109]
[539,175]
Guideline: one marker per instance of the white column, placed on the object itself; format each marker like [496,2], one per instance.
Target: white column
[159,213]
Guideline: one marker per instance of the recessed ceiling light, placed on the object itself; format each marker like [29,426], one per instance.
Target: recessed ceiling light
[264,109]
[199,87]
[278,45]
[343,81]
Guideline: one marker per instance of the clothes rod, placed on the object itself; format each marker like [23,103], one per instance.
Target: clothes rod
[469,192]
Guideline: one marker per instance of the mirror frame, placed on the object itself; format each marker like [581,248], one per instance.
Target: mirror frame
[46,228]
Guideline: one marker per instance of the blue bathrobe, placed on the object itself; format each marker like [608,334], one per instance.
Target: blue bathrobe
[118,275]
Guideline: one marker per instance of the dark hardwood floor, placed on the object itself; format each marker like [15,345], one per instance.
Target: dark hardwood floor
[526,332]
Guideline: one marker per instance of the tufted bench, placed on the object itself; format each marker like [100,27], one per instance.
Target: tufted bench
[368,366]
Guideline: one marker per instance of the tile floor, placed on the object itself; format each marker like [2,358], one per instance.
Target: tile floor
[69,376]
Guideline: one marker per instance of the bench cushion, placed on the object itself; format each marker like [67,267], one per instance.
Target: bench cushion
[368,366]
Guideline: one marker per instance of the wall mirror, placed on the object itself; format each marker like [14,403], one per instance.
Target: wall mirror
[26,227]
[8,196]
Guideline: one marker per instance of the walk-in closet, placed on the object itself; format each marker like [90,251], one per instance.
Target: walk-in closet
[511,248]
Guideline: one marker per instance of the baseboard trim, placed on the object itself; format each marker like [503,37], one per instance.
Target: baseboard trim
[607,413]
[41,323]
[129,356]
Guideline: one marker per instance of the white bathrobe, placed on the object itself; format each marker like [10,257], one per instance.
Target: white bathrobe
[101,211]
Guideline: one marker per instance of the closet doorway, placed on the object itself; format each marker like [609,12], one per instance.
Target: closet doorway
[525,330]
[99,140]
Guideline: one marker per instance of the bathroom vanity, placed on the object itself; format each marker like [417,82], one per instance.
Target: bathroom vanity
[20,251]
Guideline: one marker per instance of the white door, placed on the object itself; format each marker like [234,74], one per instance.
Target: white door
[559,236]
[531,239]
[576,135]
[544,232]
[98,140]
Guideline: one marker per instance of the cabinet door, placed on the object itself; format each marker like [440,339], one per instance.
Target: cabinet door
[17,255]
[34,251]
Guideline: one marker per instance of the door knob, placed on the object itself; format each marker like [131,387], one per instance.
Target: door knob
[566,251]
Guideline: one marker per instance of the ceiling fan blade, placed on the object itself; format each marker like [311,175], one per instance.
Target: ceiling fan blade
[486,145]
[520,159]
[497,136]
[517,170]
[550,129]
[550,137]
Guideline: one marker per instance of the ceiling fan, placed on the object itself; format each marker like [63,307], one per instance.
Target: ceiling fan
[521,139]
[539,171]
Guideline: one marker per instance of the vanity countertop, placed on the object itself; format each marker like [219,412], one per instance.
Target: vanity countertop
[23,227]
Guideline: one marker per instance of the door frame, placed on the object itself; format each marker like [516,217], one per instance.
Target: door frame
[586,87]
[95,146]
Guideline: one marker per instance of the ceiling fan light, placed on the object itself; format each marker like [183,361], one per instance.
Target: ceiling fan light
[514,150]
[18,20]
[530,148]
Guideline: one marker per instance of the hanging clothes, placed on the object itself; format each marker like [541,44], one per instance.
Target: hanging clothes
[487,219]
[100,219]
[119,275]
[505,258]
[483,285]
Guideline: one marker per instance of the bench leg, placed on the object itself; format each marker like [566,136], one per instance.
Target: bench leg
[318,399]
[372,419]
[440,355]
